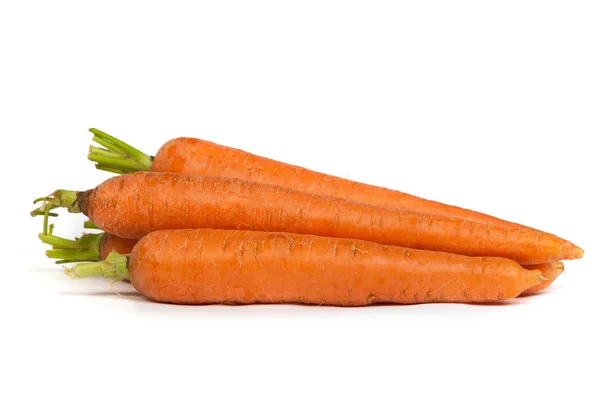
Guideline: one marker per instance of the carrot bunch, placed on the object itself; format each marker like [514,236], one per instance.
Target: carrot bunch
[201,223]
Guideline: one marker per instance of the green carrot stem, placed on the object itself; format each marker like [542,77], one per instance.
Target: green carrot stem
[87,270]
[60,198]
[117,171]
[110,146]
[66,261]
[85,248]
[90,225]
[58,242]
[122,145]
[37,212]
[101,157]
[67,256]
[115,266]
[101,151]
[117,156]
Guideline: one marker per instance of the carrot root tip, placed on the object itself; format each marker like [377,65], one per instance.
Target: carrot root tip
[571,251]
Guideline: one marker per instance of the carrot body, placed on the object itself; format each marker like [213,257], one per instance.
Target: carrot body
[110,242]
[550,271]
[134,205]
[196,156]
[199,266]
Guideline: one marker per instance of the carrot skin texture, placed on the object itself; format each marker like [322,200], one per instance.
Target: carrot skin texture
[203,266]
[134,205]
[110,242]
[197,156]
[550,271]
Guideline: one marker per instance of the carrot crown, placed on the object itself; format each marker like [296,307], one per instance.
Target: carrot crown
[85,248]
[117,156]
[115,266]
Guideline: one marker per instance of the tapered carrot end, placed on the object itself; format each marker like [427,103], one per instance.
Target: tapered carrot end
[571,251]
[531,279]
[557,267]
[550,272]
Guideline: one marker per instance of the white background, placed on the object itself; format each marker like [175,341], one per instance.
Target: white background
[488,105]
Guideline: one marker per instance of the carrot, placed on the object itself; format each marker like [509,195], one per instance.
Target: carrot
[89,247]
[134,205]
[204,266]
[196,156]
[550,271]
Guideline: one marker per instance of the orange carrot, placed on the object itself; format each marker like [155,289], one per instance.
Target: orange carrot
[87,249]
[134,205]
[203,266]
[550,271]
[196,156]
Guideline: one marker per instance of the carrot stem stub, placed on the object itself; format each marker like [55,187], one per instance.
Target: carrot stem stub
[117,156]
[85,248]
[205,266]
[115,266]
[90,225]
[60,198]
[89,247]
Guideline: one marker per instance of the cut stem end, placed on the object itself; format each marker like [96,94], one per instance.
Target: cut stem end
[115,266]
